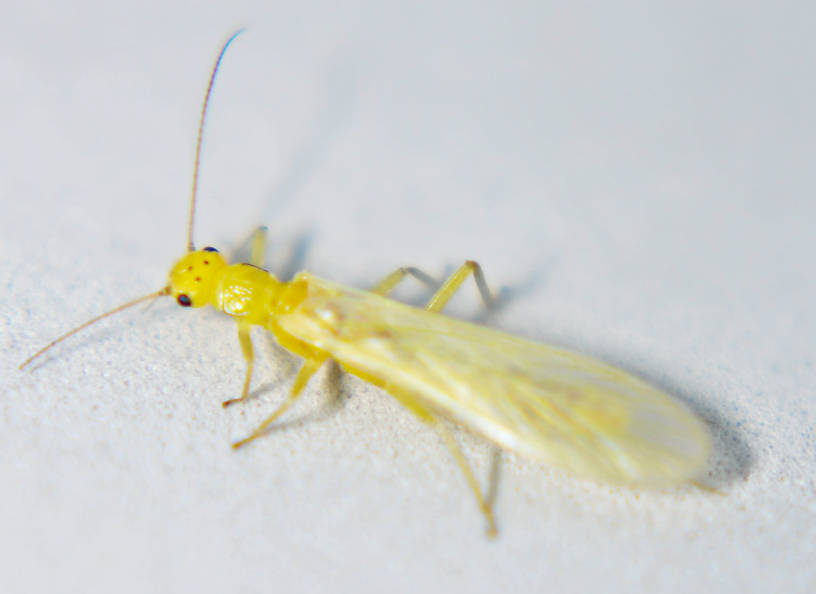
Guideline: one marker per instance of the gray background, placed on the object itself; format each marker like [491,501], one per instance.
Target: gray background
[637,177]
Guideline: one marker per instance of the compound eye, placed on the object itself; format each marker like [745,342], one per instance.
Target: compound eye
[184,301]
[210,249]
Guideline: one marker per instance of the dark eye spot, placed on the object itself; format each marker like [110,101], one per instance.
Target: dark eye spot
[210,249]
[183,300]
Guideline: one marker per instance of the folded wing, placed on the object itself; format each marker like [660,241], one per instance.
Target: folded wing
[566,409]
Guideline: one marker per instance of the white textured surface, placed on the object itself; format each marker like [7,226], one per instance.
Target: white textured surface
[639,180]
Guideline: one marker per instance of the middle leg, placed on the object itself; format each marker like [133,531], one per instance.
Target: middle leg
[386,285]
[307,370]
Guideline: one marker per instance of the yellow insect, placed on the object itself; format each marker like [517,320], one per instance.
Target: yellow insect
[563,408]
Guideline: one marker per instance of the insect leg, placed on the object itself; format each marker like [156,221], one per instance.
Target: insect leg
[257,247]
[258,254]
[307,370]
[249,357]
[386,285]
[447,290]
[412,404]
[485,507]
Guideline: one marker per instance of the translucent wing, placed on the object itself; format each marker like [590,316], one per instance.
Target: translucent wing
[564,408]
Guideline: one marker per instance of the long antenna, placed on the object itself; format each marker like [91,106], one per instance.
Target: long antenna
[197,161]
[154,295]
[165,290]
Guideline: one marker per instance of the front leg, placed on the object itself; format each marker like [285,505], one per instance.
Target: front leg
[249,357]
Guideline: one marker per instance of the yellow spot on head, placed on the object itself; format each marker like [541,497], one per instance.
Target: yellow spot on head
[193,278]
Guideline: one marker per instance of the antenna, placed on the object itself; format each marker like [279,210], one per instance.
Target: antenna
[154,295]
[197,161]
[165,290]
